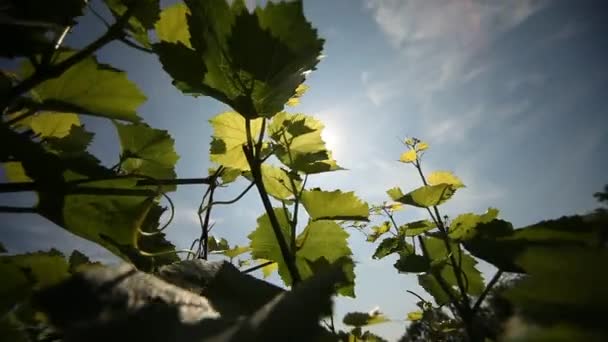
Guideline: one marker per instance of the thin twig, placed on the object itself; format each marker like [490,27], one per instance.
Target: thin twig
[257,267]
[128,42]
[486,291]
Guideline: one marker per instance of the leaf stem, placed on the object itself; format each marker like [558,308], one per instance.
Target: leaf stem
[486,291]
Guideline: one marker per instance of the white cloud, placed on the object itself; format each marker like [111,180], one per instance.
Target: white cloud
[436,40]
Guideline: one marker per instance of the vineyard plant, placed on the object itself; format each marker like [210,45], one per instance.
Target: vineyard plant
[256,62]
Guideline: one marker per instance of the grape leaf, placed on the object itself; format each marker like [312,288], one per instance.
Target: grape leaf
[444,177]
[499,244]
[414,315]
[431,285]
[50,124]
[299,145]
[359,319]
[264,244]
[321,244]
[425,196]
[295,99]
[24,273]
[378,231]
[416,228]
[15,172]
[392,245]
[88,88]
[229,136]
[395,193]
[277,182]
[472,278]
[145,14]
[412,263]
[463,227]
[147,151]
[408,156]
[235,47]
[334,205]
[170,27]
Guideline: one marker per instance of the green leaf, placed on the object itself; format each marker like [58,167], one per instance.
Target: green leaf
[395,193]
[215,244]
[412,263]
[564,285]
[414,315]
[278,182]
[425,196]
[235,47]
[147,151]
[264,244]
[109,220]
[229,136]
[268,269]
[89,88]
[324,240]
[378,231]
[444,177]
[74,144]
[299,145]
[236,251]
[295,99]
[408,156]
[391,245]
[14,172]
[437,252]
[171,27]
[11,329]
[76,260]
[24,273]
[334,205]
[145,14]
[463,227]
[50,124]
[498,243]
[360,319]
[431,285]
[416,228]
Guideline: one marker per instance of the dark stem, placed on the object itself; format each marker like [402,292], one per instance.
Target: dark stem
[256,173]
[34,186]
[486,291]
[17,210]
[257,267]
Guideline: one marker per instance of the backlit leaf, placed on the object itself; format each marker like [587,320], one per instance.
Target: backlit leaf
[264,244]
[408,156]
[444,177]
[334,205]
[427,196]
[389,246]
[229,136]
[412,263]
[437,252]
[463,226]
[49,124]
[414,315]
[14,172]
[89,88]
[416,228]
[278,182]
[147,151]
[24,273]
[378,231]
[232,48]
[236,251]
[324,240]
[431,285]
[171,27]
[421,146]
[145,14]
[395,193]
[299,144]
[295,100]
[359,319]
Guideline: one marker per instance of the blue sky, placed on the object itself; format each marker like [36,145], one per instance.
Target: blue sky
[509,95]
